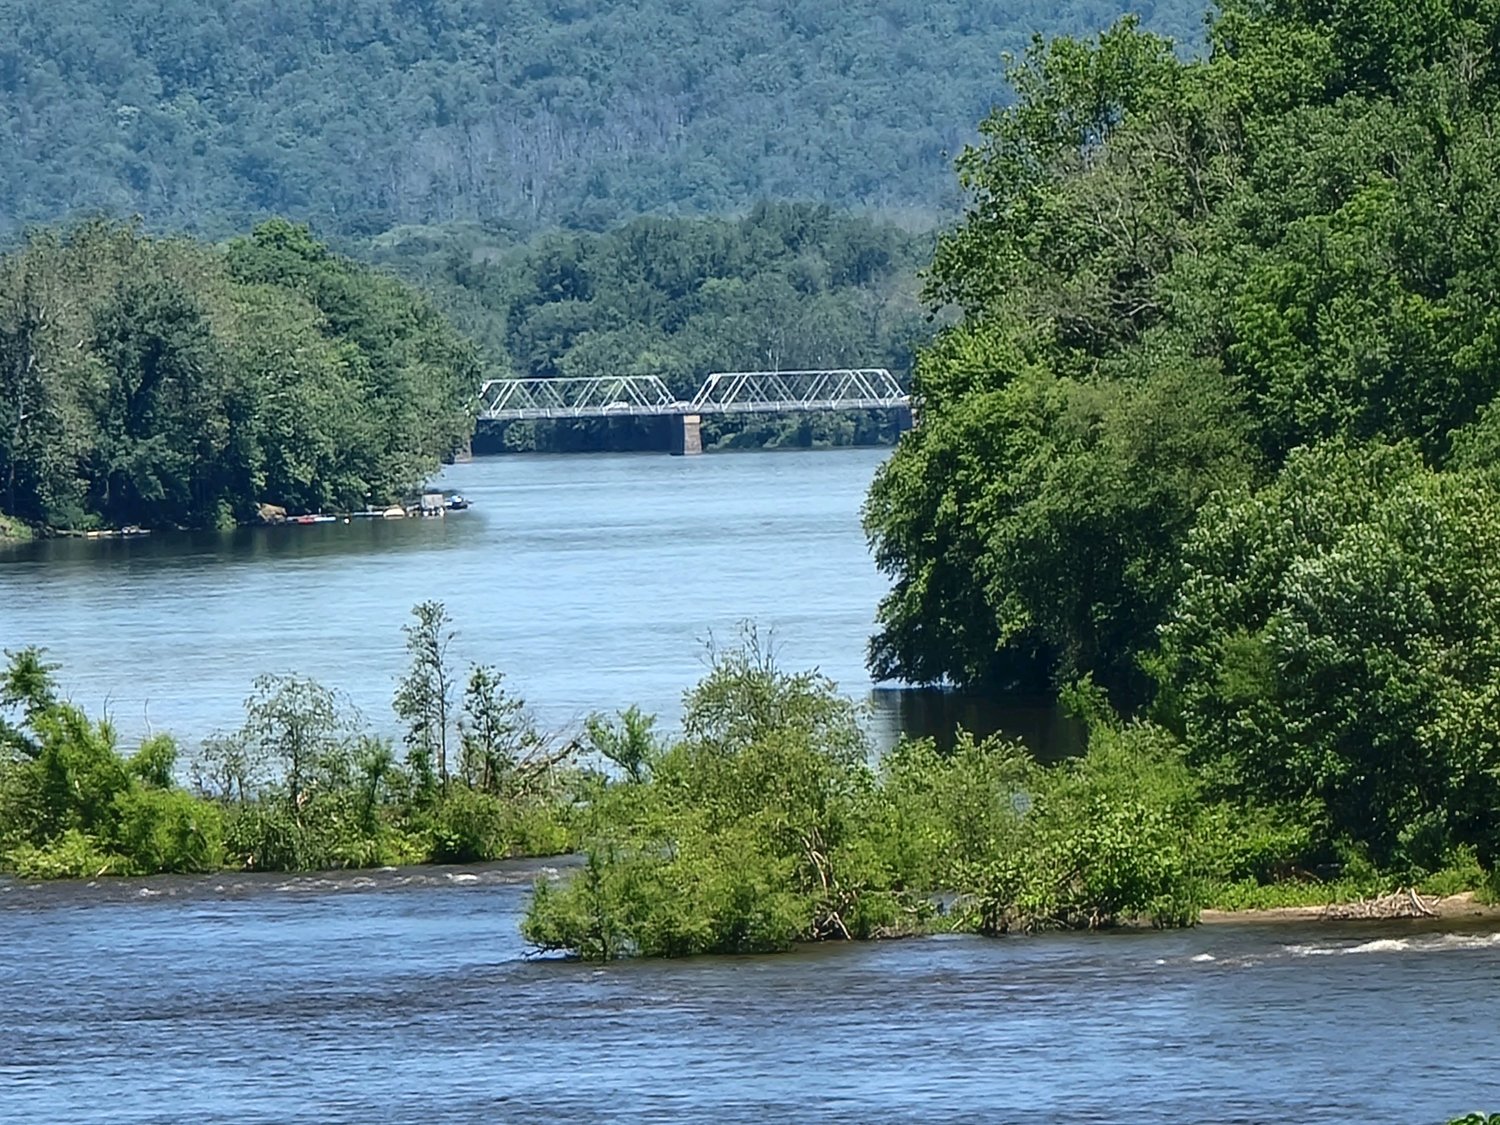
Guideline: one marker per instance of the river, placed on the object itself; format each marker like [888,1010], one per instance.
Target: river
[593,582]
[407,996]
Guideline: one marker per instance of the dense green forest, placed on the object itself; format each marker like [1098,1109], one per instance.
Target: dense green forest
[163,383]
[1217,426]
[358,115]
[787,286]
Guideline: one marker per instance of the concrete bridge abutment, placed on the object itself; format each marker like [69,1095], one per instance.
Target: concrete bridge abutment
[687,435]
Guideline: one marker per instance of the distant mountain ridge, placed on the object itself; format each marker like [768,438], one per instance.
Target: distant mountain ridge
[359,115]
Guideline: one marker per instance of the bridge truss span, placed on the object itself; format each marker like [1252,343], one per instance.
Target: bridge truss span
[790,392]
[603,396]
[724,392]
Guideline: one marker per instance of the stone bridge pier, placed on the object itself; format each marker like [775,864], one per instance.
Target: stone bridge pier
[687,434]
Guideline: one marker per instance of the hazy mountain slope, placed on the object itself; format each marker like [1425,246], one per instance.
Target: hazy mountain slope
[360,114]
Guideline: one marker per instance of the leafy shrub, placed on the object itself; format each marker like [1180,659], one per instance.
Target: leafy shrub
[1237,842]
[935,815]
[1105,839]
[169,830]
[263,836]
[71,855]
[746,836]
[1460,872]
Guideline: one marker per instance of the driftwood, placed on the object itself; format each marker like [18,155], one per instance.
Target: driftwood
[829,920]
[1404,903]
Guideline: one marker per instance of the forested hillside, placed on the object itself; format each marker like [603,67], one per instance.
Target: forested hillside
[358,115]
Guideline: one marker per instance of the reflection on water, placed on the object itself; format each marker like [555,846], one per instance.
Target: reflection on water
[592,581]
[1040,724]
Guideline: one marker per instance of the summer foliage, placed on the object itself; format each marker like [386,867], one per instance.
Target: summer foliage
[1216,426]
[164,383]
[359,115]
[766,824]
[300,784]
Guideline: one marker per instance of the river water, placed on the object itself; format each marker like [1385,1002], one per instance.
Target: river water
[594,582]
[401,995]
[408,995]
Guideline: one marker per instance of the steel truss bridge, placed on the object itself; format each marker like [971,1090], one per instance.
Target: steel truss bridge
[724,392]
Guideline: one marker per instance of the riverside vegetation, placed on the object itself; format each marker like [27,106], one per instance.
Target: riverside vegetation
[160,382]
[767,822]
[1210,448]
[300,785]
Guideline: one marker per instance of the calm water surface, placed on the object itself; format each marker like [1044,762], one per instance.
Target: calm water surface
[592,581]
[406,996]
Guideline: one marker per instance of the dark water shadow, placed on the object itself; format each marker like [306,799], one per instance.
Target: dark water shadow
[1037,722]
[287,542]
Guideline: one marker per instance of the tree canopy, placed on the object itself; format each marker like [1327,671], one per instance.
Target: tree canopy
[1172,274]
[358,115]
[788,285]
[164,383]
[1215,424]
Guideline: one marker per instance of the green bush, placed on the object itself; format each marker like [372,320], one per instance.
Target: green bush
[1238,842]
[1461,871]
[469,826]
[169,830]
[262,836]
[70,855]
[1336,643]
[937,814]
[1102,840]
[746,836]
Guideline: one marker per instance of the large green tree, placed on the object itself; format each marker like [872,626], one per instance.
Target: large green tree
[1338,636]
[1174,272]
[166,383]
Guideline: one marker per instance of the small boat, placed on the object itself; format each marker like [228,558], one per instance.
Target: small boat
[394,512]
[456,503]
[313,519]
